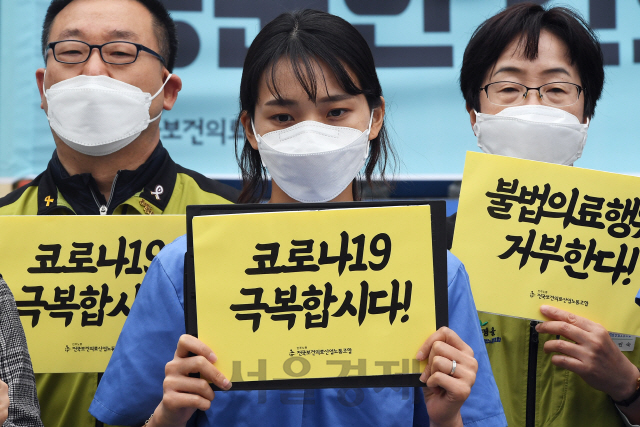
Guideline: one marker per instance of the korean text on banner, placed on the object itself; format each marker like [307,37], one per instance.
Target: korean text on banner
[532,233]
[74,279]
[315,294]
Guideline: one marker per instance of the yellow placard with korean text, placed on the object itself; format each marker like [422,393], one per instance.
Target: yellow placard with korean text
[532,233]
[315,294]
[74,279]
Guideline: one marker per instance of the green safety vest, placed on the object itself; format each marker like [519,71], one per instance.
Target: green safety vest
[65,398]
[528,381]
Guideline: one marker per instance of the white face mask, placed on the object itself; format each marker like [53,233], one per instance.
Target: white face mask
[314,162]
[98,115]
[533,132]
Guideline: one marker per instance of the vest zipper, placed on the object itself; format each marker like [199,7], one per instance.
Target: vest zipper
[103,211]
[104,208]
[531,375]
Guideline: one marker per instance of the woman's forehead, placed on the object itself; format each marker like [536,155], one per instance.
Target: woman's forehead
[287,78]
[552,58]
[551,48]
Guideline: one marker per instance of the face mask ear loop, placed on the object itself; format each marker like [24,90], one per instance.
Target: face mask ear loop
[255,135]
[588,121]
[43,78]
[157,93]
[45,92]
[366,153]
[474,127]
[161,87]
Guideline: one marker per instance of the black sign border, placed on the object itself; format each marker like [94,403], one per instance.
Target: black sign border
[439,247]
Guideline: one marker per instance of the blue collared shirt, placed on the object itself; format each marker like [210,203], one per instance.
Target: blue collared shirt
[156,321]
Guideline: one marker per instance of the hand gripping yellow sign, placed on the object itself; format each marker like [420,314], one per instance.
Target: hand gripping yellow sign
[74,279]
[325,295]
[532,233]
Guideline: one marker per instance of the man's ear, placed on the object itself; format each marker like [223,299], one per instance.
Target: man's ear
[40,83]
[171,89]
[245,119]
[378,119]
[472,116]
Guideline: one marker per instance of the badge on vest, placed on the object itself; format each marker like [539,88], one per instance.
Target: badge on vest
[624,342]
[148,210]
[158,192]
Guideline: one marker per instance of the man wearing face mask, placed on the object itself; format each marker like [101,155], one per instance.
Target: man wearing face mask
[108,77]
[531,78]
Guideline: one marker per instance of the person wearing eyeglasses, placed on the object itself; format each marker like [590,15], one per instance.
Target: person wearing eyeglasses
[107,79]
[531,79]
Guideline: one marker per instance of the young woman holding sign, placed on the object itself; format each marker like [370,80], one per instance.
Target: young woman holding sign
[309,77]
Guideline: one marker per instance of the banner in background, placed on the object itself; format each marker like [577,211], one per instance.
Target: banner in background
[74,279]
[532,233]
[418,47]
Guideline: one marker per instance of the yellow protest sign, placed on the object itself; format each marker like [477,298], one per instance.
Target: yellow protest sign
[74,279]
[315,294]
[532,233]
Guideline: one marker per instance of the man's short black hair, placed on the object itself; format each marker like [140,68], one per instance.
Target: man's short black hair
[525,21]
[163,25]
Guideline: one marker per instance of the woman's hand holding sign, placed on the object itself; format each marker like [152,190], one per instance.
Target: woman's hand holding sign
[449,376]
[592,355]
[182,394]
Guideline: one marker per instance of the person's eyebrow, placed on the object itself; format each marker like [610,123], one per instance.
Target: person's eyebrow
[114,34]
[556,70]
[508,70]
[123,34]
[335,98]
[281,102]
[68,33]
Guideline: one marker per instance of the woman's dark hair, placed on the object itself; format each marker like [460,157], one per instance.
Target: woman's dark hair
[307,38]
[163,26]
[525,21]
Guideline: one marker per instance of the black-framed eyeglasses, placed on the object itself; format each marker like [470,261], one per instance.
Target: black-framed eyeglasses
[555,94]
[117,52]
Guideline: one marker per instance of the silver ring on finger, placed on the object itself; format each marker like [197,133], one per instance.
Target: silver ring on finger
[453,367]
